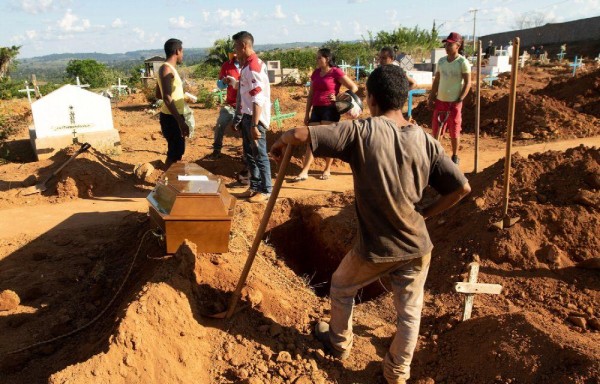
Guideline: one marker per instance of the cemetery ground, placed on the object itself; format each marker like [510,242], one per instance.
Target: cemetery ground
[66,253]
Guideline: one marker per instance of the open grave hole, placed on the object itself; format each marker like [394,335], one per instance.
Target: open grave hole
[317,236]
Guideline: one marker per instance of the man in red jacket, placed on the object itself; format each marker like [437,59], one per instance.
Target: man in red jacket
[228,78]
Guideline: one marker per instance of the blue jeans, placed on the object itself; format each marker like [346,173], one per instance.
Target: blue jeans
[225,118]
[256,155]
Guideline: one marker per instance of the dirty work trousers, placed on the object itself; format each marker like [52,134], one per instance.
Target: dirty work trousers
[407,278]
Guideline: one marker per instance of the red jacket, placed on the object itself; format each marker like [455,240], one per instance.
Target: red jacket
[229,69]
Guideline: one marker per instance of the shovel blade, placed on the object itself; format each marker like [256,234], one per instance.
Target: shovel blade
[38,188]
[507,222]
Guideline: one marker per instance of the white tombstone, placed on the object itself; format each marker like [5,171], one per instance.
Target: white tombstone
[274,71]
[422,78]
[72,115]
[496,65]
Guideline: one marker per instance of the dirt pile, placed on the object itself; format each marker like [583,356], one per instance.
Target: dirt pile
[540,113]
[581,92]
[557,197]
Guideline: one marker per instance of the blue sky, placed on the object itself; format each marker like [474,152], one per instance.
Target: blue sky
[110,26]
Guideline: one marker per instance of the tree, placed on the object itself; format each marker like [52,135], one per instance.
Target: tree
[219,52]
[90,71]
[531,20]
[7,55]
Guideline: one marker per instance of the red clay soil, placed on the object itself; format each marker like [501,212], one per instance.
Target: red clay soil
[543,328]
[581,92]
[540,113]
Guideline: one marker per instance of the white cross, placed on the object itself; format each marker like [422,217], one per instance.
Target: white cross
[28,90]
[119,87]
[79,83]
[472,287]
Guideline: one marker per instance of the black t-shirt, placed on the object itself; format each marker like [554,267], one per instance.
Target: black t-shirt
[391,166]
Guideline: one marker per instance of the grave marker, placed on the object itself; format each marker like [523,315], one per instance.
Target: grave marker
[560,56]
[28,90]
[71,114]
[472,287]
[344,66]
[358,67]
[576,64]
[410,99]
[78,83]
[279,117]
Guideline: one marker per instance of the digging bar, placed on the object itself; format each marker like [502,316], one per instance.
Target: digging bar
[507,221]
[477,107]
[41,187]
[235,297]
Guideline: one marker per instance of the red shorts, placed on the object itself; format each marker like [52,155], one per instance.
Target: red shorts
[453,123]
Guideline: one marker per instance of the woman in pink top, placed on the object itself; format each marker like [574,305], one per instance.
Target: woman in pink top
[325,83]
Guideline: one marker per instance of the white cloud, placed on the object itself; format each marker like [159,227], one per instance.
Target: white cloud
[298,20]
[31,34]
[284,31]
[205,15]
[70,23]
[179,23]
[279,13]
[144,37]
[117,23]
[230,18]
[35,6]
[356,1]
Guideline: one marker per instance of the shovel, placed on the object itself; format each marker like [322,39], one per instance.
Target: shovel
[508,221]
[41,187]
[235,297]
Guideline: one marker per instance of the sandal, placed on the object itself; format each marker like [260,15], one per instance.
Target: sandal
[325,176]
[298,179]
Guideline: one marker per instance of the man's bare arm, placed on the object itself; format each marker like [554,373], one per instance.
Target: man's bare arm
[446,201]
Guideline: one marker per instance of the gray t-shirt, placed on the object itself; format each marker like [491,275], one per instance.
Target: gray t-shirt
[391,166]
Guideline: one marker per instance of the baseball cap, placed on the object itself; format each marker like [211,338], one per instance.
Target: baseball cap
[453,37]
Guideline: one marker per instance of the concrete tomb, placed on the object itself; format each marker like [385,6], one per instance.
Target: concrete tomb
[72,115]
[496,65]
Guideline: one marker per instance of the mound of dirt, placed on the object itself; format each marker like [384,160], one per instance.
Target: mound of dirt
[557,197]
[547,107]
[536,117]
[581,92]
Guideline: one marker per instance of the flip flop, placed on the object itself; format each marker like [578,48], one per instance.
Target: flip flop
[325,176]
[298,179]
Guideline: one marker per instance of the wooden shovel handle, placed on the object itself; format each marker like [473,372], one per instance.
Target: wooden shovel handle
[260,232]
[511,120]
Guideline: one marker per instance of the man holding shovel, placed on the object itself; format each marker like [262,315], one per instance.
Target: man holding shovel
[392,162]
[450,87]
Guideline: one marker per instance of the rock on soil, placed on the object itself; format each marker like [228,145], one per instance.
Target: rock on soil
[9,300]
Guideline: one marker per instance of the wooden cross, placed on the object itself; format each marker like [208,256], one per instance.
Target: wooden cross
[344,66]
[358,67]
[561,55]
[280,116]
[472,287]
[576,64]
[28,90]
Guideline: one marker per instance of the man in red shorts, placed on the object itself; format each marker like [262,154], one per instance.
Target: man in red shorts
[450,87]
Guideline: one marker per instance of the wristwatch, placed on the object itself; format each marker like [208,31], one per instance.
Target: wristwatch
[254,125]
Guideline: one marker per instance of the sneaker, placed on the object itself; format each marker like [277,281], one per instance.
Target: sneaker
[248,193]
[214,156]
[260,198]
[322,334]
[455,159]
